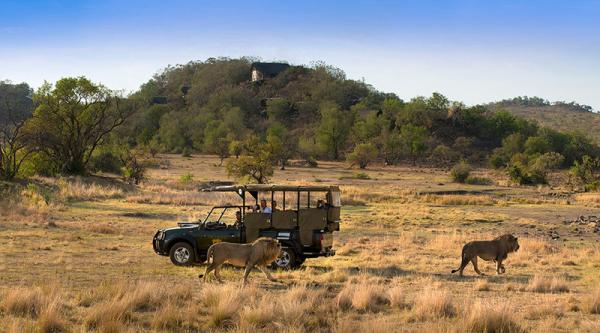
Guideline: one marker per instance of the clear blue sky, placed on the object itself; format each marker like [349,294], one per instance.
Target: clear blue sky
[473,51]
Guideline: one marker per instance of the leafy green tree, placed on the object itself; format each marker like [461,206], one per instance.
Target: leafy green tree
[256,166]
[365,130]
[333,130]
[414,139]
[236,148]
[363,154]
[280,143]
[392,147]
[278,109]
[216,139]
[16,107]
[72,119]
[537,145]
[584,170]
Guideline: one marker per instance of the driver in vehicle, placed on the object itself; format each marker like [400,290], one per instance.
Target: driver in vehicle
[238,219]
[264,208]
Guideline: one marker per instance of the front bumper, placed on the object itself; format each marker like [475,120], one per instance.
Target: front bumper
[158,244]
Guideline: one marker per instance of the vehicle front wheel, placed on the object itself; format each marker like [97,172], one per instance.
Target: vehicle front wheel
[287,260]
[182,254]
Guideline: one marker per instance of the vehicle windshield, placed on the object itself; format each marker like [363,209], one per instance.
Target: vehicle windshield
[225,215]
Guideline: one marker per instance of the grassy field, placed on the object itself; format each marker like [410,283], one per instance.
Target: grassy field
[78,257]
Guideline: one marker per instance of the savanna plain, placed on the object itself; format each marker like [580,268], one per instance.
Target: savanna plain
[76,256]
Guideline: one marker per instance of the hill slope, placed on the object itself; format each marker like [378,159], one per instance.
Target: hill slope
[565,117]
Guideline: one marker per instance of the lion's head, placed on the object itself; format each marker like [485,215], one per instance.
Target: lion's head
[512,242]
[268,249]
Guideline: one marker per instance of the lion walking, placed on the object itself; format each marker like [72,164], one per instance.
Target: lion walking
[496,250]
[259,253]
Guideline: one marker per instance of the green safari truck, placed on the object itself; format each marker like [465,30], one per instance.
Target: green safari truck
[302,218]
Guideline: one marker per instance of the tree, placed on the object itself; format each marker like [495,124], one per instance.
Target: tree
[280,144]
[72,120]
[16,106]
[414,138]
[584,170]
[216,139]
[256,166]
[333,130]
[363,154]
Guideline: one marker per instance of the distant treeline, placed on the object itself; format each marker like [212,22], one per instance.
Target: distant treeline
[537,101]
[305,112]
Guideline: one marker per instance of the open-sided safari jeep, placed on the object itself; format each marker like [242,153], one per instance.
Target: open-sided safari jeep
[304,221]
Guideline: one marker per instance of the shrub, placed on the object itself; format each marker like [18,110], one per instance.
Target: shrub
[584,170]
[186,178]
[106,160]
[133,170]
[442,155]
[460,172]
[186,152]
[498,159]
[363,154]
[523,175]
[593,187]
[478,180]
[361,175]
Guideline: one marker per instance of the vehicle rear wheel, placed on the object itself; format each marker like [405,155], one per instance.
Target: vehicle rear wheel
[287,260]
[182,254]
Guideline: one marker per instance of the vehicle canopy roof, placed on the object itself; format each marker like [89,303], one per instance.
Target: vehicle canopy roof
[270,188]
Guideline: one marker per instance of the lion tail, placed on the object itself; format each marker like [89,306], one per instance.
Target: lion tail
[209,254]
[209,257]
[462,259]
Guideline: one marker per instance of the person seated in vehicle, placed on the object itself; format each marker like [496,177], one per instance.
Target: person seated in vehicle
[274,206]
[238,219]
[264,208]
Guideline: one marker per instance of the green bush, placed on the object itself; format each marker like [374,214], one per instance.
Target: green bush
[363,154]
[584,170]
[106,160]
[38,163]
[460,172]
[478,180]
[186,178]
[133,170]
[523,175]
[186,152]
[593,187]
[361,175]
[498,159]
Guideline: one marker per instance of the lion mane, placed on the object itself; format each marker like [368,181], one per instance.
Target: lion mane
[259,253]
[496,250]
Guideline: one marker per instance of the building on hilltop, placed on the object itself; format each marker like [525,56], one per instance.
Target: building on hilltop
[265,70]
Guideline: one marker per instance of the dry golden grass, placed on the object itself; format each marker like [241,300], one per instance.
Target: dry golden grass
[593,198]
[454,200]
[482,285]
[391,271]
[483,317]
[78,190]
[592,302]
[433,304]
[541,284]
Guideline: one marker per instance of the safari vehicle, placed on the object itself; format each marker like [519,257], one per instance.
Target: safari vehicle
[304,224]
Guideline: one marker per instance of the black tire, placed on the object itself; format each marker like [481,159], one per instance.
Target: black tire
[182,254]
[288,260]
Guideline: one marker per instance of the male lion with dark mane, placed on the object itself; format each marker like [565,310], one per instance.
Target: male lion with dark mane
[259,253]
[495,250]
